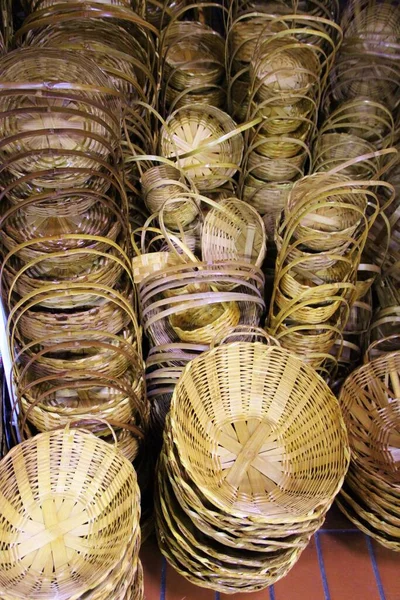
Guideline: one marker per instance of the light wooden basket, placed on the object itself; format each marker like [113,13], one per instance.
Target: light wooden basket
[205,142]
[33,481]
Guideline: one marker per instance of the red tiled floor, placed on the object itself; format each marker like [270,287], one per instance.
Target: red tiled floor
[263,595]
[151,561]
[304,580]
[348,567]
[178,588]
[346,562]
[388,563]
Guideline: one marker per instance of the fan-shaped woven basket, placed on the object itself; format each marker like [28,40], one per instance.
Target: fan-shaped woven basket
[70,510]
[206,143]
[238,406]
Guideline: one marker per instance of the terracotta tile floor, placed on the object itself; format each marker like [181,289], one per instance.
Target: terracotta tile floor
[341,563]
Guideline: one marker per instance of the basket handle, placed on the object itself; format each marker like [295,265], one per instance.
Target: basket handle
[76,425]
[244,330]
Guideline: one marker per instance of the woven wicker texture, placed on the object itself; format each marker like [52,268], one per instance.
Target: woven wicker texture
[70,531]
[370,403]
[267,425]
[233,231]
[236,503]
[205,142]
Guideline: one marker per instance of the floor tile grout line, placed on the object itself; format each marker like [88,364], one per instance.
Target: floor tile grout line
[375,568]
[271,592]
[322,567]
[163,579]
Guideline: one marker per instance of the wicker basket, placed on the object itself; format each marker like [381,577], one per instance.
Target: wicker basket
[201,325]
[342,209]
[94,494]
[228,517]
[370,403]
[363,118]
[219,284]
[282,67]
[233,231]
[193,55]
[334,149]
[205,142]
[193,443]
[37,118]
[119,54]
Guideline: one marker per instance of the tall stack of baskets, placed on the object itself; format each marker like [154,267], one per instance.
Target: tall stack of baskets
[67,287]
[370,402]
[237,500]
[149,156]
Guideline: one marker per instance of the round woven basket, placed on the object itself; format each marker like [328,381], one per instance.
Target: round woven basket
[371,28]
[283,66]
[211,95]
[118,54]
[328,208]
[352,77]
[233,231]
[282,146]
[277,169]
[202,325]
[370,403]
[193,55]
[64,104]
[283,119]
[269,425]
[334,149]
[205,142]
[247,31]
[267,198]
[111,314]
[160,185]
[100,509]
[229,285]
[228,515]
[363,118]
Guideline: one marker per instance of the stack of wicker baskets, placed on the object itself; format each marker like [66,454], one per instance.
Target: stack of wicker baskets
[193,65]
[120,41]
[355,129]
[285,60]
[237,503]
[70,520]
[384,331]
[370,402]
[66,274]
[368,63]
[320,241]
[185,299]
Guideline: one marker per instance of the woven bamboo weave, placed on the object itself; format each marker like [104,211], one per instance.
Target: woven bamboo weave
[45,510]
